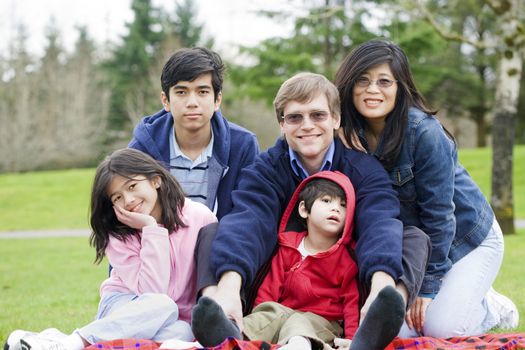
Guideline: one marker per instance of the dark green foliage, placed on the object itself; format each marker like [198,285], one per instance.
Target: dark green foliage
[184,26]
[320,40]
[453,76]
[128,68]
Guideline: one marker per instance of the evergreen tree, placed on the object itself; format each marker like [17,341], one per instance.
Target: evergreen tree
[185,25]
[320,40]
[129,68]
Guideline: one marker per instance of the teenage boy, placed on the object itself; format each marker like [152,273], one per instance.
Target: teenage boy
[190,136]
[307,107]
[312,286]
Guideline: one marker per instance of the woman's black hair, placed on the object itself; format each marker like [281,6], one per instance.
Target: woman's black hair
[365,56]
[130,163]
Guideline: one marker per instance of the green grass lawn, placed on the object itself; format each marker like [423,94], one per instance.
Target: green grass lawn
[60,199]
[45,199]
[478,162]
[48,282]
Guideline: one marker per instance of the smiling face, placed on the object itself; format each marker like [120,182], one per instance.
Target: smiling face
[192,104]
[326,217]
[309,139]
[137,194]
[374,103]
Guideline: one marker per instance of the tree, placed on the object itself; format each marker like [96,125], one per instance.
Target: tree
[181,29]
[84,119]
[520,129]
[320,40]
[508,41]
[185,26]
[17,134]
[129,68]
[51,93]
[452,75]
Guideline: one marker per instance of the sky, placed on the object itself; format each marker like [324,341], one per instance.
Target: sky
[230,22]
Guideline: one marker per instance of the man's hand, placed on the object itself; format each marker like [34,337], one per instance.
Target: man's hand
[379,281]
[227,295]
[416,315]
[134,220]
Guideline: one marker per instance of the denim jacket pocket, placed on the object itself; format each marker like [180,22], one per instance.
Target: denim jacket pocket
[403,180]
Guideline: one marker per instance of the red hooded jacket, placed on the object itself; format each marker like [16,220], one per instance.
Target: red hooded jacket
[324,283]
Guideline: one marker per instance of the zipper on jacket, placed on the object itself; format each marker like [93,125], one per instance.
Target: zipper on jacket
[296,266]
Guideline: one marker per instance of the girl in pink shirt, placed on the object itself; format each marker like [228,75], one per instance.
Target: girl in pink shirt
[147,229]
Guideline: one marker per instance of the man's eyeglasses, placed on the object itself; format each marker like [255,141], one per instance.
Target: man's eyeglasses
[381,83]
[298,118]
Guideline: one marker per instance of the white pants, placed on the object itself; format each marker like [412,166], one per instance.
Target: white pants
[149,316]
[460,308]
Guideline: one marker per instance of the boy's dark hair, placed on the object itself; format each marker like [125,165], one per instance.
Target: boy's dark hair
[130,163]
[188,64]
[316,189]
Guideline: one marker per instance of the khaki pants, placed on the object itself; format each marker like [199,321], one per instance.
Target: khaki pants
[275,323]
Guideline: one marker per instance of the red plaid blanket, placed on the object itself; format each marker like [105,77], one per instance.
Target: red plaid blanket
[483,342]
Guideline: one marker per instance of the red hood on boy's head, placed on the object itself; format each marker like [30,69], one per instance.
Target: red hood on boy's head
[290,216]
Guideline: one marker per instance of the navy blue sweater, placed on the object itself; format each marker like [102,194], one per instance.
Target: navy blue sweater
[247,236]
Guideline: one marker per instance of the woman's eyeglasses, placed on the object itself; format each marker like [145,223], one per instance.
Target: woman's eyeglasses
[298,118]
[381,83]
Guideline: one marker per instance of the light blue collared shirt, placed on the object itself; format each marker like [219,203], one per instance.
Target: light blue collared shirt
[192,175]
[299,169]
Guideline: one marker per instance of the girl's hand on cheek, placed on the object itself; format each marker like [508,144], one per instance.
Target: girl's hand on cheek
[134,220]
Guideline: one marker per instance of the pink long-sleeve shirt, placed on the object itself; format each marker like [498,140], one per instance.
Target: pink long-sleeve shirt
[157,262]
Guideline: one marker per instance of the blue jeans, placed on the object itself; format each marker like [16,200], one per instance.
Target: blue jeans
[148,316]
[460,308]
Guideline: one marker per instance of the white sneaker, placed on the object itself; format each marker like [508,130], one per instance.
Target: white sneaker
[13,341]
[48,339]
[505,308]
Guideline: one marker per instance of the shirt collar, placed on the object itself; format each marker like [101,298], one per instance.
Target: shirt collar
[299,169]
[176,152]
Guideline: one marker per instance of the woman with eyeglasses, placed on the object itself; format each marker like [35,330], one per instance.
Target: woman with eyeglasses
[385,115]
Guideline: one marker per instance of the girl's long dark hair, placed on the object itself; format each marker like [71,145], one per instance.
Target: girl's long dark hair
[365,56]
[130,163]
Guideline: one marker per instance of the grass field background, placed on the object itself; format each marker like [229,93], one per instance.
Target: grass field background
[52,282]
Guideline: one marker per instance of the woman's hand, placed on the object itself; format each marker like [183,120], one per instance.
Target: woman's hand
[416,315]
[134,220]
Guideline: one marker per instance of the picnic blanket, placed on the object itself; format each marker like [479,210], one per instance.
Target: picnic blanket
[482,342]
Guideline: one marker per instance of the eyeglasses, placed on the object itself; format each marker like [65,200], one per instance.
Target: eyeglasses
[298,118]
[382,83]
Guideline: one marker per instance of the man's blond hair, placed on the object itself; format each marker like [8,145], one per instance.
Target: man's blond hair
[304,87]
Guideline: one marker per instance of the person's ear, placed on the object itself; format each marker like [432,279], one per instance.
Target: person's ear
[302,210]
[156,181]
[218,101]
[165,101]
[336,119]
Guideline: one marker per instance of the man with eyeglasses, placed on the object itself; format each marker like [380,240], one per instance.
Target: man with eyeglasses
[307,108]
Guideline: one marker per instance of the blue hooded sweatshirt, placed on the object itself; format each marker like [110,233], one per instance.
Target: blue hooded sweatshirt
[233,148]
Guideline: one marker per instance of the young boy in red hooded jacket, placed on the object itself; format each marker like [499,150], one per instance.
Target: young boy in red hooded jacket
[310,297]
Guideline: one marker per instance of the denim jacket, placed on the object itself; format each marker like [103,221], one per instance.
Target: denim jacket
[438,196]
